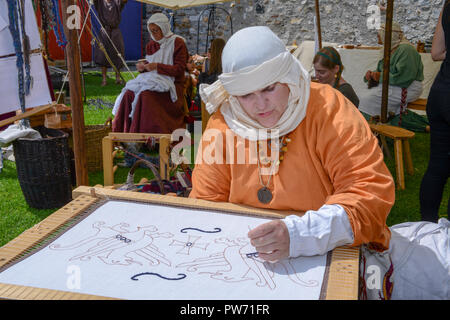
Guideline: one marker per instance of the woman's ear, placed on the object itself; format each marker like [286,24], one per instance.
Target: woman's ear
[336,69]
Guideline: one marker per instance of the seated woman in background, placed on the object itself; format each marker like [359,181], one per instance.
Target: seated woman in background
[405,76]
[328,66]
[210,74]
[153,102]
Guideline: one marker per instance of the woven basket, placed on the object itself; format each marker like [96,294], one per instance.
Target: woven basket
[43,169]
[94,135]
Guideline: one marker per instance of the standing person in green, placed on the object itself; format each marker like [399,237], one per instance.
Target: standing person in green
[405,76]
[438,112]
[109,14]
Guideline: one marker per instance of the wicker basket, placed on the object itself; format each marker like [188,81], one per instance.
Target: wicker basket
[43,169]
[93,139]
[93,136]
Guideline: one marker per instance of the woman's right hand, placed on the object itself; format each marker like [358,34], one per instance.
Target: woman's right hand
[368,75]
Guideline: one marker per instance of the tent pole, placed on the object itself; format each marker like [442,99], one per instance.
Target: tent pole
[387,59]
[319,31]
[73,67]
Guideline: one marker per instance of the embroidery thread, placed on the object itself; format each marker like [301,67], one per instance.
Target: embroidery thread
[181,276]
[216,230]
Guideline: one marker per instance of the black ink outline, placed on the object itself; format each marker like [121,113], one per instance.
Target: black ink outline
[216,230]
[182,276]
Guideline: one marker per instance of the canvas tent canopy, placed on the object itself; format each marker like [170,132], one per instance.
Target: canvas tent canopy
[389,7]
[180,4]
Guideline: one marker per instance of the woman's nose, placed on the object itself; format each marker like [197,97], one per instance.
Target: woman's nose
[260,102]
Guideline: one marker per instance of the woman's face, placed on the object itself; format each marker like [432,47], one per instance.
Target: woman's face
[325,75]
[155,31]
[266,106]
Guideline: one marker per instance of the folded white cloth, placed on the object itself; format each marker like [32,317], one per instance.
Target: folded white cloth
[146,81]
[416,265]
[14,132]
[420,253]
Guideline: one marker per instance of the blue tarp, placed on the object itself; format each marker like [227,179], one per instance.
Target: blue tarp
[131,28]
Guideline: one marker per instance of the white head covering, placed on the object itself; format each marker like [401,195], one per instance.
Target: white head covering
[397,34]
[161,21]
[253,59]
[397,37]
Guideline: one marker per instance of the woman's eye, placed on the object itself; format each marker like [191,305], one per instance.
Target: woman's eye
[269,88]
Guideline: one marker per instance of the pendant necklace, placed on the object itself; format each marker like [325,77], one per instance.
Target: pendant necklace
[264,194]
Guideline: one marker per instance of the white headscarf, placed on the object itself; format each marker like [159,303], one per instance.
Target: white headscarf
[161,21]
[397,37]
[253,59]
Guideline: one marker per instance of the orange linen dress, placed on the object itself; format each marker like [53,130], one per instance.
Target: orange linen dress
[333,158]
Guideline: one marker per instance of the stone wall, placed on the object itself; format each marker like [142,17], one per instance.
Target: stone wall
[342,21]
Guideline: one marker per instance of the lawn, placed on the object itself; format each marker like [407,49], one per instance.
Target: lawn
[16,216]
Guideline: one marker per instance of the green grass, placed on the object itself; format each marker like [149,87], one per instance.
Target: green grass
[16,216]
[406,207]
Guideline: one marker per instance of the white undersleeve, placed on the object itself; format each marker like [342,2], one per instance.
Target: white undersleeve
[318,232]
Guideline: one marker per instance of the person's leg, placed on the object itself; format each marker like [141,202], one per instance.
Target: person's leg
[118,78]
[370,100]
[438,171]
[104,82]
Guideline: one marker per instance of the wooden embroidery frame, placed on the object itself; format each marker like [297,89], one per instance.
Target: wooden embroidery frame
[340,280]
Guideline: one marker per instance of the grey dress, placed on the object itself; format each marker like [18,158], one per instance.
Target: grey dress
[347,90]
[109,14]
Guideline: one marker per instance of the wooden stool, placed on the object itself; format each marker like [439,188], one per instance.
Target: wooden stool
[401,147]
[419,104]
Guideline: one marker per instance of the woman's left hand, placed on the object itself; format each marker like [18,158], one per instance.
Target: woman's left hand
[271,240]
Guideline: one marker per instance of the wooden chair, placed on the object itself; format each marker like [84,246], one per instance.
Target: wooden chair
[401,138]
[115,137]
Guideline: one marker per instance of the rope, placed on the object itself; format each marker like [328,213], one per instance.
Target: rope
[85,21]
[47,17]
[58,27]
[15,33]
[94,38]
[102,48]
[26,49]
[102,29]
[402,105]
[47,20]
